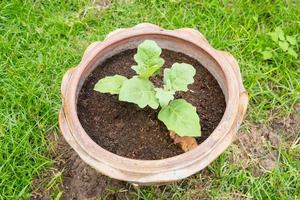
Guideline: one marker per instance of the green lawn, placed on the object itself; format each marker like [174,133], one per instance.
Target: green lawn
[40,40]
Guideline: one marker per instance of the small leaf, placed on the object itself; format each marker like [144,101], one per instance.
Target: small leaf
[164,96]
[179,76]
[145,73]
[148,59]
[280,33]
[110,84]
[283,45]
[267,55]
[181,117]
[274,36]
[291,39]
[292,52]
[139,91]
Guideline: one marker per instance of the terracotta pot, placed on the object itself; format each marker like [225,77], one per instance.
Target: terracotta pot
[222,66]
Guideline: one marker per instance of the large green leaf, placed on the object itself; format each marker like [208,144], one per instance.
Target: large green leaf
[164,96]
[139,91]
[179,76]
[181,117]
[148,59]
[110,84]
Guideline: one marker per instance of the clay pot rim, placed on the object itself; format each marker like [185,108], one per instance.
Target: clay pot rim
[150,166]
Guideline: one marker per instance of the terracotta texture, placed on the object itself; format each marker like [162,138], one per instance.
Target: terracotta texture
[223,67]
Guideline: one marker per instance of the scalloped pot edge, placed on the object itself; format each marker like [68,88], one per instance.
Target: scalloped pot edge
[221,65]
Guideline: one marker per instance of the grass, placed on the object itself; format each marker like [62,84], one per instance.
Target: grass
[40,40]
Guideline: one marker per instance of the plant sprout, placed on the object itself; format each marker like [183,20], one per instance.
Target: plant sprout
[286,43]
[178,115]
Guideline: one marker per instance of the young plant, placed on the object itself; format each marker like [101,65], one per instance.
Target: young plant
[285,42]
[178,115]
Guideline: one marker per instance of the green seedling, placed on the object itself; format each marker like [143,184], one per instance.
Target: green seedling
[285,43]
[178,115]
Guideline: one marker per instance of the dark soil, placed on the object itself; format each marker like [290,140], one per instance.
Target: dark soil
[127,130]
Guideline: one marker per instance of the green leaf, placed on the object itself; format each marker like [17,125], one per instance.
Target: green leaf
[280,33]
[181,117]
[148,59]
[267,55]
[179,76]
[292,52]
[110,84]
[164,96]
[291,39]
[283,45]
[145,73]
[139,91]
[274,36]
